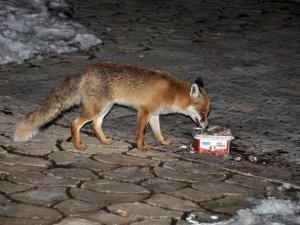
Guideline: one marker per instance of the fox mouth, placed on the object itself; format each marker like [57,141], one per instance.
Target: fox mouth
[198,123]
[204,127]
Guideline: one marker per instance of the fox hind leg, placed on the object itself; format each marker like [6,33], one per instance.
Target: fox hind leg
[84,118]
[155,126]
[89,112]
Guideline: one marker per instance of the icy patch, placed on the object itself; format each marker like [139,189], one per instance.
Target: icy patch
[267,211]
[28,30]
[284,186]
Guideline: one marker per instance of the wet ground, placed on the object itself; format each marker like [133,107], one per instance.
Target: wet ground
[248,55]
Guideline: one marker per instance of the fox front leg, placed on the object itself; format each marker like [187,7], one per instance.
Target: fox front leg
[97,125]
[143,116]
[155,126]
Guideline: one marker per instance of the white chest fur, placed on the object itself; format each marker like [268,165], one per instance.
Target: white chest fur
[160,111]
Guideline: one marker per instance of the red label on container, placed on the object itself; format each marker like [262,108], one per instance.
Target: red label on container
[197,144]
[208,146]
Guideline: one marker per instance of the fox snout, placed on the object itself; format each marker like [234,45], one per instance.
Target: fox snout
[203,125]
[203,121]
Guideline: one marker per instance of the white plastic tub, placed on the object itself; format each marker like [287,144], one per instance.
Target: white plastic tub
[212,144]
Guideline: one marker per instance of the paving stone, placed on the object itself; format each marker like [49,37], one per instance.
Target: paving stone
[128,174]
[12,159]
[9,188]
[3,199]
[63,158]
[34,148]
[2,176]
[78,56]
[6,128]
[229,204]
[2,150]
[76,221]
[176,142]
[195,195]
[111,186]
[153,154]
[170,202]
[223,188]
[39,179]
[126,48]
[159,185]
[42,196]
[30,213]
[183,176]
[250,182]
[189,167]
[7,121]
[5,141]
[129,134]
[94,165]
[95,147]
[73,173]
[125,160]
[104,198]
[52,138]
[260,170]
[182,222]
[73,207]
[141,210]
[24,221]
[56,130]
[110,219]
[15,107]
[154,221]
[9,168]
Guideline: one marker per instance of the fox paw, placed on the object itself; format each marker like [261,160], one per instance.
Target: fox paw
[165,142]
[107,141]
[81,147]
[143,147]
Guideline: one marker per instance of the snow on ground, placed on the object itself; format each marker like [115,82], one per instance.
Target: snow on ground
[29,29]
[265,212]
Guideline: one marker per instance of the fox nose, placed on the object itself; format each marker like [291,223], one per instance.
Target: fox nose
[205,127]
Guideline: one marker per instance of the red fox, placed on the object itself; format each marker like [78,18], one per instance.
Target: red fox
[101,85]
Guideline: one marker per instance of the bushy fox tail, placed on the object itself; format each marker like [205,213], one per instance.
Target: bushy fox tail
[63,97]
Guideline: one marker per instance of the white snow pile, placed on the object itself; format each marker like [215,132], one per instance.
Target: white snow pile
[29,29]
[265,212]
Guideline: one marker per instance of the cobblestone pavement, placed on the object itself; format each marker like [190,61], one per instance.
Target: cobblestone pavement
[248,55]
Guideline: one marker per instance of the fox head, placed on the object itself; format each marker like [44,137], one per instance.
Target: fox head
[199,106]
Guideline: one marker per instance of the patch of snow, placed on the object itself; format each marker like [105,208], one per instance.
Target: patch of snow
[31,28]
[266,211]
[284,186]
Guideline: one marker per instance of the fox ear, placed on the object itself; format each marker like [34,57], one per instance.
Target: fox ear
[200,82]
[195,92]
